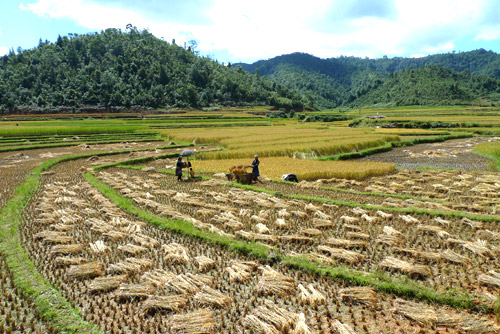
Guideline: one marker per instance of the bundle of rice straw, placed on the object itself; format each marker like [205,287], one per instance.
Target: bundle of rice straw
[391,231]
[358,211]
[66,249]
[340,328]
[173,303]
[296,238]
[433,229]
[493,279]
[411,269]
[280,222]
[479,247]
[389,240]
[131,249]
[472,223]
[54,237]
[115,235]
[311,208]
[409,219]
[205,212]
[261,228]
[63,261]
[188,284]
[204,263]
[369,219]
[349,220]
[313,256]
[359,295]
[384,215]
[131,266]
[351,227]
[442,221]
[241,271]
[87,270]
[103,284]
[322,223]
[256,236]
[145,241]
[342,254]
[301,326]
[99,247]
[322,215]
[240,169]
[357,235]
[429,256]
[346,243]
[284,214]
[310,295]
[273,282]
[299,214]
[488,235]
[451,256]
[129,291]
[258,219]
[311,232]
[425,315]
[197,322]
[157,277]
[212,298]
[175,253]
[477,326]
[269,318]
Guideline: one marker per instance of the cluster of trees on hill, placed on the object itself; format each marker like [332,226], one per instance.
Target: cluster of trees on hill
[445,79]
[129,68]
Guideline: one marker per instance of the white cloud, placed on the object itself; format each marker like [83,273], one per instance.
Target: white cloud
[267,28]
[3,50]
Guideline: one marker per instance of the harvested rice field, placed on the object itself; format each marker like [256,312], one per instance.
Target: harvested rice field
[128,276]
[132,250]
[363,239]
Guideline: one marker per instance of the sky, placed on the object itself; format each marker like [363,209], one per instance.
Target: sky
[247,31]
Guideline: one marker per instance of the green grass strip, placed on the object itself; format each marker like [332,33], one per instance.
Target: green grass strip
[404,288]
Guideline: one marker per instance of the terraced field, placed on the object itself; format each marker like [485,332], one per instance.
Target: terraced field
[124,247]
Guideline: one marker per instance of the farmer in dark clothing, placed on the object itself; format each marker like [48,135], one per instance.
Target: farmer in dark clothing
[255,168]
[178,168]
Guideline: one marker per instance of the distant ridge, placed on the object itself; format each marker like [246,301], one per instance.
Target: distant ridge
[441,79]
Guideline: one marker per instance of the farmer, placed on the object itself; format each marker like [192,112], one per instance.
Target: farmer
[255,168]
[178,168]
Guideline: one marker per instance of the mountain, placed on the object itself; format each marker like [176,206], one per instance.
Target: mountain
[116,69]
[454,78]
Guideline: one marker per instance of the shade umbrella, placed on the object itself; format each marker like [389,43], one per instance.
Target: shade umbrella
[187,153]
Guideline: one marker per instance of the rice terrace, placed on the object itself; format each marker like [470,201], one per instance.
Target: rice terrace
[389,230]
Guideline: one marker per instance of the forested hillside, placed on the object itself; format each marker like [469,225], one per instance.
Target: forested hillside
[454,78]
[118,68]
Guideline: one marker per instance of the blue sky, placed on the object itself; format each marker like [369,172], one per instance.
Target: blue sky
[234,30]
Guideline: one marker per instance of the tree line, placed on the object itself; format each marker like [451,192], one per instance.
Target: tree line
[117,69]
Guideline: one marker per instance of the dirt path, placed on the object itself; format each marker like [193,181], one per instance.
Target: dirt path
[456,154]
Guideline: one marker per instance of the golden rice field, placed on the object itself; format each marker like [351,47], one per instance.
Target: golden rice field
[274,167]
[285,140]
